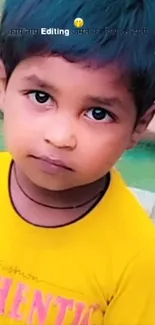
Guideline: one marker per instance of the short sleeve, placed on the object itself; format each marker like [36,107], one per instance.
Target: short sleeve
[134,300]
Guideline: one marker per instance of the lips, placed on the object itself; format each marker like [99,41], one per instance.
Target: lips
[53,162]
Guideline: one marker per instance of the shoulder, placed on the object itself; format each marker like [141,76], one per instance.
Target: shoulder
[144,262]
[129,223]
[133,300]
[128,200]
[140,271]
[124,199]
[4,157]
[5,160]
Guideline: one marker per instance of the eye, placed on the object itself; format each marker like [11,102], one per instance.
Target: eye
[99,114]
[40,97]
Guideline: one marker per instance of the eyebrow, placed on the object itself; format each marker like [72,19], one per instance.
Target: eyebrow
[108,101]
[40,83]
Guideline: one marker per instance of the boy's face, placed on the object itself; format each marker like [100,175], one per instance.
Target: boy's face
[57,110]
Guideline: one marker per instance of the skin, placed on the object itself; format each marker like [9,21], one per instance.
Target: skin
[149,134]
[64,127]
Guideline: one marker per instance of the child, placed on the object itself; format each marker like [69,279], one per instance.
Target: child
[76,248]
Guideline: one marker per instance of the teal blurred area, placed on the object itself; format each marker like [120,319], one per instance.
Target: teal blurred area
[137,166]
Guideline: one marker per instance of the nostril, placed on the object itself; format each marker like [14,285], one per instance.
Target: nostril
[47,141]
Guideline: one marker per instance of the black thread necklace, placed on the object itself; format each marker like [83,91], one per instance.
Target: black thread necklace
[54,207]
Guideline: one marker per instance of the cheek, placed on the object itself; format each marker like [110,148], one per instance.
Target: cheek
[102,151]
[18,126]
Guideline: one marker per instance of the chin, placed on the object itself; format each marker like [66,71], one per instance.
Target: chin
[52,185]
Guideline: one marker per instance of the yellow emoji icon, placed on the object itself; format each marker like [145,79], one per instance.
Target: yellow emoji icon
[78,22]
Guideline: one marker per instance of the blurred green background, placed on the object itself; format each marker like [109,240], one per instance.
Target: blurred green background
[137,166]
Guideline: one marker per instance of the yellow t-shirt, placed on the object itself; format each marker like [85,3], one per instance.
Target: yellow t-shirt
[99,270]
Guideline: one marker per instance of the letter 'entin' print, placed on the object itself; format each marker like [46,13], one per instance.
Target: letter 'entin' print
[33,307]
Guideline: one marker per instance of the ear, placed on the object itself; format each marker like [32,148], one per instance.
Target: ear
[141,126]
[3,82]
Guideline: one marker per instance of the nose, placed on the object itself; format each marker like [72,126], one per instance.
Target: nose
[60,133]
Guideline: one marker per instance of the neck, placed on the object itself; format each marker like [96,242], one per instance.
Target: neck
[69,198]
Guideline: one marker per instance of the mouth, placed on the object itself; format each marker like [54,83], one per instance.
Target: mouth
[60,164]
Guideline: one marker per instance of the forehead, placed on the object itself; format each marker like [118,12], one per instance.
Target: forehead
[60,70]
